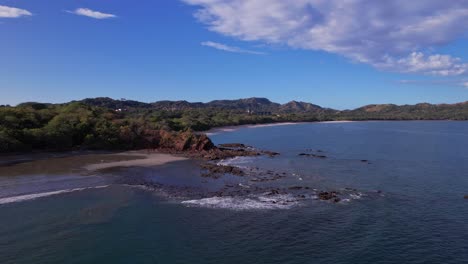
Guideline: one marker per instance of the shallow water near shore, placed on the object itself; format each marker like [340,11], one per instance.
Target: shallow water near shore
[402,183]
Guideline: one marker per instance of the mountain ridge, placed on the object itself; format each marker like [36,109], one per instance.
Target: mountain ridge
[258,104]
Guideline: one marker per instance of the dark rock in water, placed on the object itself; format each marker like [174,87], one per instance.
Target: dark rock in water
[365,161]
[214,170]
[313,155]
[466,196]
[274,192]
[270,153]
[325,196]
[319,156]
[295,188]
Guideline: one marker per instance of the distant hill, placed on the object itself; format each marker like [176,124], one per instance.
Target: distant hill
[176,105]
[107,102]
[253,104]
[422,111]
[295,106]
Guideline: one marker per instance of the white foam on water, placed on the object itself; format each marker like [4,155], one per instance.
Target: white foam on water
[356,196]
[243,185]
[245,203]
[221,130]
[236,161]
[27,197]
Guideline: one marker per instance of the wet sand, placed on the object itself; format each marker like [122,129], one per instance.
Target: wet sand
[141,160]
[78,162]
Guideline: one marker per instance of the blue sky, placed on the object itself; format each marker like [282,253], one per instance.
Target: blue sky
[200,50]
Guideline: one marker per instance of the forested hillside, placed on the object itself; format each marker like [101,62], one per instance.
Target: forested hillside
[104,123]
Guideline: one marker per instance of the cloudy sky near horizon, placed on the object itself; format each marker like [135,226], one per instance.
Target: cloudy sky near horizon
[334,53]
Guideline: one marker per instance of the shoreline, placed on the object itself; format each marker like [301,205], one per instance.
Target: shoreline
[75,162]
[148,160]
[217,130]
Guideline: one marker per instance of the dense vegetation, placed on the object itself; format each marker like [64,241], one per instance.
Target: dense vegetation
[104,123]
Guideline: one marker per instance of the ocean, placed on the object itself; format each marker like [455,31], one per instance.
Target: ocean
[401,187]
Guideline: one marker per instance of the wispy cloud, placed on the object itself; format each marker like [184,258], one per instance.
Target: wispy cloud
[437,82]
[389,35]
[91,13]
[13,12]
[227,48]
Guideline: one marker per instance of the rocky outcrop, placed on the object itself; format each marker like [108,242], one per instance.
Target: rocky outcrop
[233,145]
[177,141]
[216,171]
[270,153]
[326,196]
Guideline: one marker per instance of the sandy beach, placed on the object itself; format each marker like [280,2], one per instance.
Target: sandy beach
[218,130]
[77,163]
[141,160]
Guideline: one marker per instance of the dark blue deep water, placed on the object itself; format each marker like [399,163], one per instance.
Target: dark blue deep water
[412,208]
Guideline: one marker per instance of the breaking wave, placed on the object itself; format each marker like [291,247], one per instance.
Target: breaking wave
[245,203]
[239,162]
[27,197]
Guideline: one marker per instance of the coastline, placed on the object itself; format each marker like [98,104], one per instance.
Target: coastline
[217,130]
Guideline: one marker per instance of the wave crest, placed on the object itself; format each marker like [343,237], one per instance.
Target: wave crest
[33,196]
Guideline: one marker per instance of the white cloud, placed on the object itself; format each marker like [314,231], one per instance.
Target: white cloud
[392,35]
[91,13]
[227,48]
[417,62]
[13,12]
[465,84]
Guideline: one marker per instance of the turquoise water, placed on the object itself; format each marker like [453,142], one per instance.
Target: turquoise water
[410,208]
